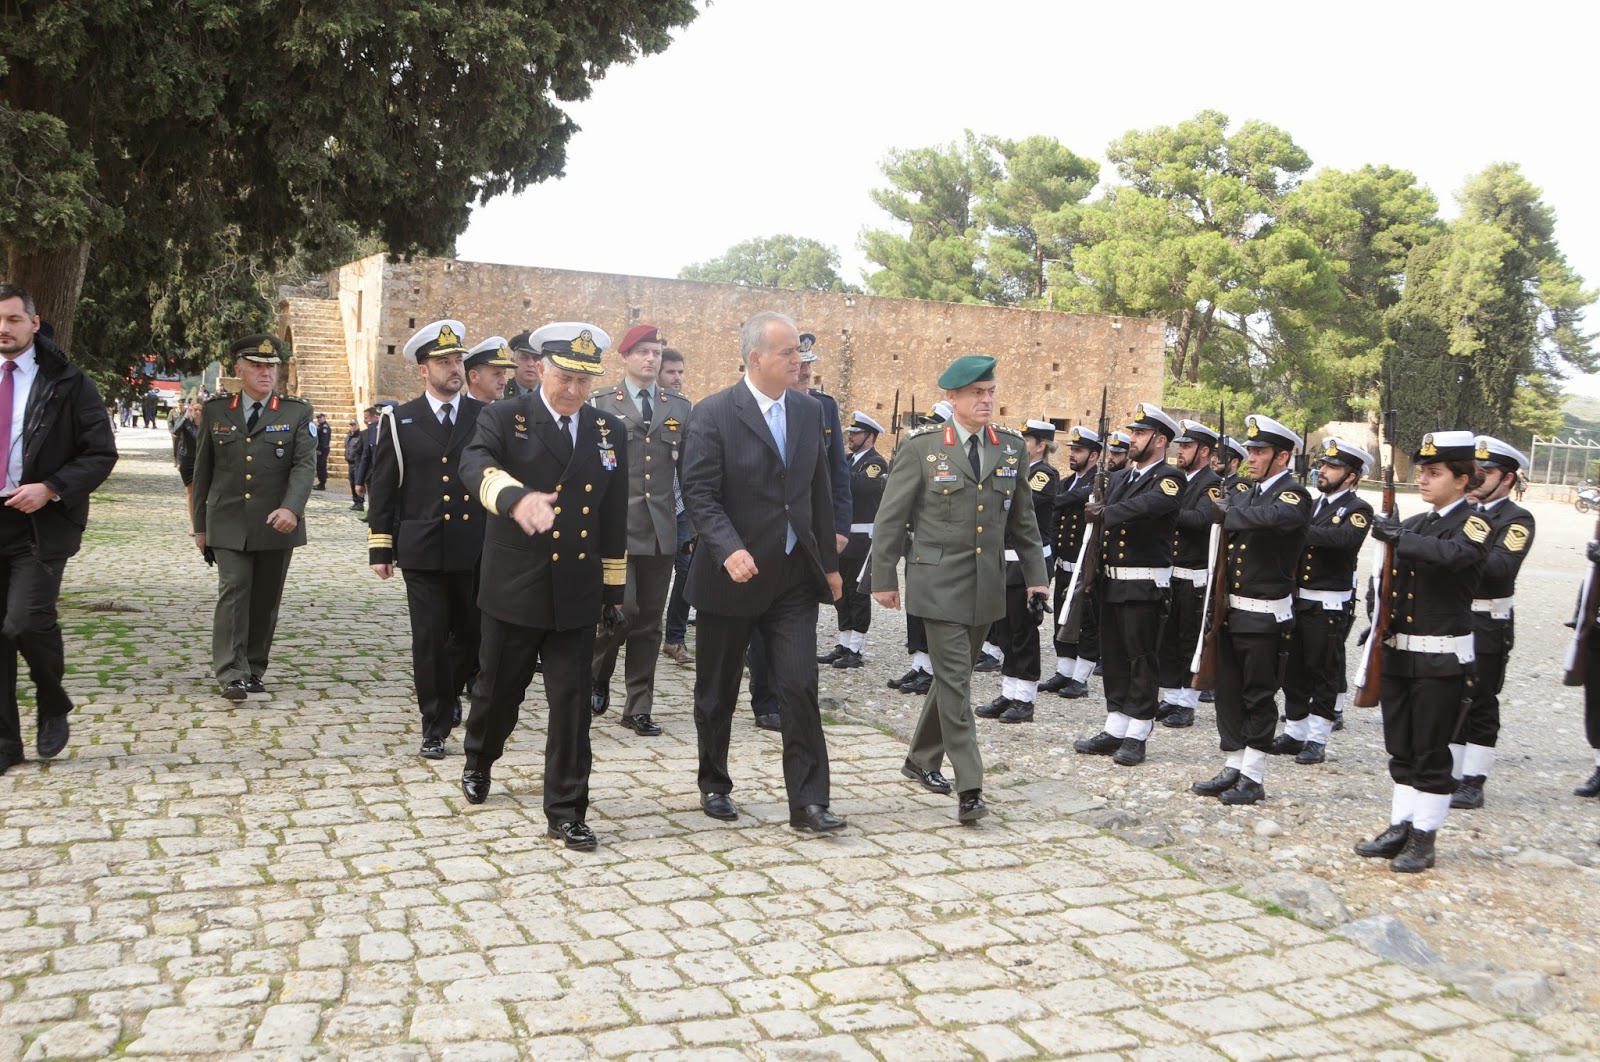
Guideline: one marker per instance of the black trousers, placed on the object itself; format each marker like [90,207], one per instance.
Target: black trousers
[507,653]
[1247,688]
[1482,724]
[1591,693]
[1314,676]
[854,607]
[30,587]
[444,642]
[916,634]
[789,629]
[322,467]
[1087,647]
[677,604]
[355,499]
[1021,640]
[1180,634]
[1130,635]
[763,701]
[1420,717]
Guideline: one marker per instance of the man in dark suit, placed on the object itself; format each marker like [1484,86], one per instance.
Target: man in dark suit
[553,474]
[324,432]
[423,519]
[59,447]
[755,451]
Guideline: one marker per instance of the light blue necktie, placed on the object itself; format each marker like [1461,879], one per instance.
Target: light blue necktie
[775,422]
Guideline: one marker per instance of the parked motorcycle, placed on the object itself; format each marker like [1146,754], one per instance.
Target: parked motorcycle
[1588,498]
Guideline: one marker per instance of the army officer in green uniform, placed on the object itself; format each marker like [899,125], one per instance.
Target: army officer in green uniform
[959,488]
[252,475]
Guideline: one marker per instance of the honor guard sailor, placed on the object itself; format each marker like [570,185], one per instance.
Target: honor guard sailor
[422,519]
[1191,573]
[552,472]
[1075,661]
[487,366]
[1429,654]
[868,474]
[1510,537]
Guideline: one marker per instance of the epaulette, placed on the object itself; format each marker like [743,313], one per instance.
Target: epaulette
[296,398]
[1007,431]
[598,391]
[925,429]
[221,396]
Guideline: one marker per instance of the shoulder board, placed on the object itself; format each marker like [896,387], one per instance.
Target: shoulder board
[296,398]
[1003,430]
[925,429]
[598,391]
[221,396]
[679,395]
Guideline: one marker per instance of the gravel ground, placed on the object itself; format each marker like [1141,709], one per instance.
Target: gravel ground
[1515,882]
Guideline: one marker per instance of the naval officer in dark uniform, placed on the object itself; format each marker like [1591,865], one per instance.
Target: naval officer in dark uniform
[552,473]
[1266,532]
[422,518]
[867,472]
[252,475]
[1191,574]
[1075,661]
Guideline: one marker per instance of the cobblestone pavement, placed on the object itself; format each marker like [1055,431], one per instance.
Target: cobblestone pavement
[285,879]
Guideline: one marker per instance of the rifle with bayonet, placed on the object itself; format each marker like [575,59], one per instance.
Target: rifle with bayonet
[894,418]
[1076,599]
[1369,674]
[1203,665]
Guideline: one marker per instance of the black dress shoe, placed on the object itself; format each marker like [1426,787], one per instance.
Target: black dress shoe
[1099,669]
[770,722]
[921,683]
[1244,791]
[320,486]
[972,808]
[1074,689]
[987,663]
[1417,855]
[579,837]
[815,818]
[9,760]
[896,683]
[599,701]
[235,691]
[1180,719]
[53,733]
[455,714]
[640,724]
[932,781]
[1130,754]
[994,709]
[1386,845]
[1055,683]
[253,684]
[850,659]
[1225,780]
[1208,697]
[1284,745]
[832,654]
[1591,788]
[1338,721]
[1163,710]
[718,806]
[1019,712]
[1102,744]
[475,786]
[432,749]
[1314,752]
[1468,794]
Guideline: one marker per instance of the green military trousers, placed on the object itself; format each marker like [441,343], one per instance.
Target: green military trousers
[947,727]
[249,587]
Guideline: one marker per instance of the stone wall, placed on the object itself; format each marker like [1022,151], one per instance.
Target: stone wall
[1052,365]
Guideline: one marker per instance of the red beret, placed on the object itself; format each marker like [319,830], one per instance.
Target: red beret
[639,333]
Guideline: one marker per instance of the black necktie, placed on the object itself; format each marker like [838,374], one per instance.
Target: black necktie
[444,418]
[565,424]
[972,455]
[645,410]
[255,415]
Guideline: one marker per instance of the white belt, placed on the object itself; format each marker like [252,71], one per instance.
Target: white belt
[1460,645]
[1197,576]
[861,529]
[1497,607]
[1331,600]
[1279,608]
[1062,564]
[1011,555]
[1162,577]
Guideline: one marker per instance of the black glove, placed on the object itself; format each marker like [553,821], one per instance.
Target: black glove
[1592,551]
[210,555]
[1386,528]
[1093,510]
[611,618]
[1219,507]
[1037,606]
[1361,639]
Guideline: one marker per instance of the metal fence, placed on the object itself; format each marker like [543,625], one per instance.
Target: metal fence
[1570,461]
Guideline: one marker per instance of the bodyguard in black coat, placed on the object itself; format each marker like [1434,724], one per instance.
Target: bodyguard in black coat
[756,486]
[554,565]
[423,519]
[1266,529]
[57,453]
[1324,603]
[1191,574]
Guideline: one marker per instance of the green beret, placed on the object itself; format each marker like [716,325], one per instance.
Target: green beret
[973,368]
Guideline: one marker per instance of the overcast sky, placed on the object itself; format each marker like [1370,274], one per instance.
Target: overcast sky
[769,116]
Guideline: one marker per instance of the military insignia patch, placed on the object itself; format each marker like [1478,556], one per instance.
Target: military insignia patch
[1138,411]
[931,459]
[1290,496]
[1215,493]
[1516,538]
[1482,452]
[1039,480]
[1169,487]
[1358,519]
[264,348]
[1476,528]
[873,471]
[1331,451]
[1427,449]
[448,338]
[671,423]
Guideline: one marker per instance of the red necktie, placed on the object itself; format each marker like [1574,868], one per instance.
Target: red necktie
[8,393]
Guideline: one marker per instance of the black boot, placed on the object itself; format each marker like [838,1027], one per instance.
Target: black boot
[1164,709]
[1386,845]
[1225,780]
[1179,719]
[1314,752]
[1418,853]
[919,684]
[832,654]
[1055,683]
[994,709]
[896,683]
[1284,745]
[1469,792]
[1102,744]
[987,663]
[1074,689]
[1591,788]
[850,659]
[1244,791]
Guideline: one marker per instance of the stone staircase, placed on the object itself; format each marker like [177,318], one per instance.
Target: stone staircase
[322,367]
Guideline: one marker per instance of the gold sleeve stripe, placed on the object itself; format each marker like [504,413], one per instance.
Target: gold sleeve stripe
[495,480]
[377,541]
[614,571]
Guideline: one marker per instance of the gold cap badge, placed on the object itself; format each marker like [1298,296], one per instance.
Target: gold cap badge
[584,344]
[448,338]
[1428,449]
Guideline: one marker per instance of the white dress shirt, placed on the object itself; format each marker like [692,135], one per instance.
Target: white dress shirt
[438,406]
[22,381]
